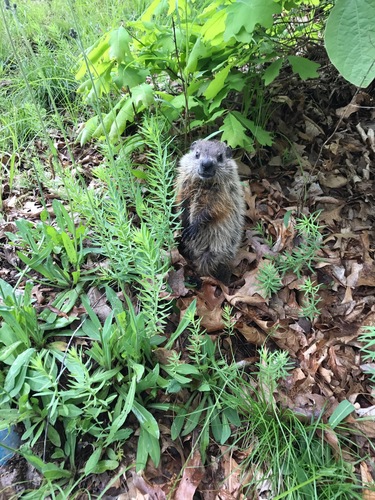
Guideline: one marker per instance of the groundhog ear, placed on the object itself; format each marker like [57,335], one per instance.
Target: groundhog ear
[228,152]
[193,144]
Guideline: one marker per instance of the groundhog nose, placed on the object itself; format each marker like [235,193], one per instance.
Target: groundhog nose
[206,168]
[207,164]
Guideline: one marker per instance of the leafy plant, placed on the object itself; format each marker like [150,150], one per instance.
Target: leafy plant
[269,279]
[368,338]
[188,64]
[311,299]
[304,254]
[43,244]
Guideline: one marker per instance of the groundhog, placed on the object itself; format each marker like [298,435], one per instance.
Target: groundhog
[211,197]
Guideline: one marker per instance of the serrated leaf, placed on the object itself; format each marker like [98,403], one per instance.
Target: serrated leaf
[349,40]
[304,67]
[262,136]
[246,15]
[143,94]
[344,409]
[233,132]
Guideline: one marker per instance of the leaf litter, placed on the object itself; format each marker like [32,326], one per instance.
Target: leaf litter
[321,160]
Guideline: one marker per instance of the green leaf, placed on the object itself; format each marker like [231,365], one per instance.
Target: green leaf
[143,94]
[344,409]
[262,136]
[69,248]
[245,15]
[90,127]
[125,115]
[184,323]
[146,420]
[54,436]
[272,71]
[193,418]
[304,67]
[198,51]
[233,132]
[350,42]
[213,29]
[119,44]
[17,372]
[147,445]
[178,423]
[130,77]
[92,462]
[7,351]
[217,83]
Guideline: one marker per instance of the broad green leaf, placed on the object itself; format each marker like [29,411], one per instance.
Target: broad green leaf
[198,51]
[247,14]
[17,372]
[93,460]
[272,71]
[143,94]
[146,420]
[119,45]
[53,436]
[262,136]
[350,40]
[187,369]
[233,132]
[125,115]
[69,248]
[90,127]
[147,446]
[193,418]
[213,29]
[304,67]
[105,465]
[105,124]
[94,55]
[344,409]
[130,77]
[217,83]
[7,351]
[178,423]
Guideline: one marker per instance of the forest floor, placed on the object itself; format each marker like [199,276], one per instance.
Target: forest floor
[322,160]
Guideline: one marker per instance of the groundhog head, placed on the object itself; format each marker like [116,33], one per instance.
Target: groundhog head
[206,158]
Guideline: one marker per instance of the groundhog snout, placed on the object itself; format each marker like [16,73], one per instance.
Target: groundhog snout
[206,168]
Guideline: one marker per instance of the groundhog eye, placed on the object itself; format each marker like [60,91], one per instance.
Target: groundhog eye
[220,157]
[197,154]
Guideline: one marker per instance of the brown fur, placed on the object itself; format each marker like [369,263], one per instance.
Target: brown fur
[210,194]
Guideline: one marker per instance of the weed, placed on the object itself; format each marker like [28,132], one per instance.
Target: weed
[269,279]
[311,299]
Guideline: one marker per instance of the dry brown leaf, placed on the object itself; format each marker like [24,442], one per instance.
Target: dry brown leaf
[251,334]
[333,181]
[249,293]
[192,475]
[176,280]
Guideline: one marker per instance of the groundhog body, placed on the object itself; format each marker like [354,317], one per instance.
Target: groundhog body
[211,196]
